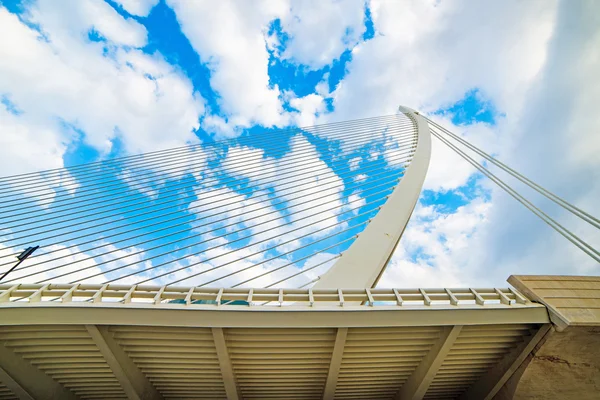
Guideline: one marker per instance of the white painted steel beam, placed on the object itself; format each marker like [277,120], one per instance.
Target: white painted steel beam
[28,382]
[492,381]
[134,383]
[14,386]
[273,317]
[362,265]
[225,364]
[417,384]
[335,364]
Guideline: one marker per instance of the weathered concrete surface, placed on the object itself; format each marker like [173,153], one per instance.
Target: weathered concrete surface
[565,366]
[566,362]
[571,300]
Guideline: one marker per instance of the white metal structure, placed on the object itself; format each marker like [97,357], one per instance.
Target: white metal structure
[99,341]
[322,187]
[364,262]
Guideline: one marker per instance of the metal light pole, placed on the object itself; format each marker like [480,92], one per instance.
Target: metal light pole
[26,253]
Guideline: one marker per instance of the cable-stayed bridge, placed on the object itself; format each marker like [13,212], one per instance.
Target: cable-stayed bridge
[247,268]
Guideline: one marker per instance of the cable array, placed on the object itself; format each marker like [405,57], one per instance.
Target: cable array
[445,136]
[265,209]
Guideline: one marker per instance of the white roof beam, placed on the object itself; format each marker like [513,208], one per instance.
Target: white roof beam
[336,362]
[134,383]
[492,381]
[14,386]
[28,382]
[225,364]
[417,384]
[273,317]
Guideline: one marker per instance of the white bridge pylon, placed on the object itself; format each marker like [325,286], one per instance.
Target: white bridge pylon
[362,265]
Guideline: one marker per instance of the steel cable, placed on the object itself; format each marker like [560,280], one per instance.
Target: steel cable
[232,180]
[264,250]
[396,175]
[218,183]
[395,179]
[215,247]
[79,224]
[398,150]
[103,163]
[242,160]
[394,158]
[405,140]
[546,193]
[399,172]
[570,236]
[354,132]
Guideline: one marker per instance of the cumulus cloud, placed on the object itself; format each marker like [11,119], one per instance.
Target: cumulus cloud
[435,247]
[237,53]
[552,143]
[319,31]
[230,37]
[18,136]
[109,90]
[140,8]
[428,54]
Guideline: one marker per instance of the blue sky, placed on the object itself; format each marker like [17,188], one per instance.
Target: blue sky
[171,73]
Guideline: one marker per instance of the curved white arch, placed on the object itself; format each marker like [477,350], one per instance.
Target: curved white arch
[363,263]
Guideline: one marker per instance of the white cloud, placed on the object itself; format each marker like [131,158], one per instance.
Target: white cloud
[63,78]
[321,30]
[140,8]
[440,242]
[230,36]
[23,155]
[447,170]
[430,53]
[219,126]
[63,24]
[308,107]
[236,53]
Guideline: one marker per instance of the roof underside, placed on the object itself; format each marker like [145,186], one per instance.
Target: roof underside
[154,342]
[271,363]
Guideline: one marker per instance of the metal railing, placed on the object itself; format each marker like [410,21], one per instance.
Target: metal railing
[259,297]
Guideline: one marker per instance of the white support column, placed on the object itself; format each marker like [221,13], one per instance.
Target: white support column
[134,383]
[14,386]
[491,382]
[28,382]
[417,384]
[336,362]
[363,263]
[225,364]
